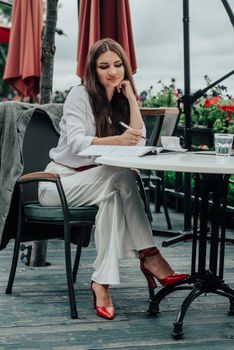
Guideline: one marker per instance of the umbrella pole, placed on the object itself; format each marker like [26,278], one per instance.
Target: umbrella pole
[187,112]
[187,101]
[187,231]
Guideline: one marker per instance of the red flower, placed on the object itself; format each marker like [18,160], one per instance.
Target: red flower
[177,94]
[228,118]
[211,101]
[228,109]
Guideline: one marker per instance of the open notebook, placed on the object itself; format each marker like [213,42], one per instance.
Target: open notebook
[95,151]
[170,144]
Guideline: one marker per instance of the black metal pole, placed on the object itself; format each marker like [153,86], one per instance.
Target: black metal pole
[229,11]
[187,100]
[187,231]
[5,3]
[78,7]
[199,93]
[187,112]
[187,106]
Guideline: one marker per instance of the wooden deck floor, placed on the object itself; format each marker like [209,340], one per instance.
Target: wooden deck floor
[36,315]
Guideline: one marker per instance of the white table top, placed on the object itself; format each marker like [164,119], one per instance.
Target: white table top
[181,162]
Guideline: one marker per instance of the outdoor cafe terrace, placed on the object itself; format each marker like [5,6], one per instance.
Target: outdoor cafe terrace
[36,315]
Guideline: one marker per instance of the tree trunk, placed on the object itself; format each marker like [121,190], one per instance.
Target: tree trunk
[48,51]
[39,248]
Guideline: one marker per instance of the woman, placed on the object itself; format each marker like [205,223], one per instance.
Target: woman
[92,115]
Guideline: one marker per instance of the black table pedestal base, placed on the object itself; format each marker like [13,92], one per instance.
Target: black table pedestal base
[205,285]
[207,263]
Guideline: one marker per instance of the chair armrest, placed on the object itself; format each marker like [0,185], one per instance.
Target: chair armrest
[38,176]
[50,177]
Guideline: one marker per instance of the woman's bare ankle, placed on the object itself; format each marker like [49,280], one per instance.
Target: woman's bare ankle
[158,266]
[102,294]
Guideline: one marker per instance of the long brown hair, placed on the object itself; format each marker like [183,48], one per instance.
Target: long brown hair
[107,114]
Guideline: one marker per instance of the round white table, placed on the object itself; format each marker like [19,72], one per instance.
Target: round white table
[184,162]
[207,262]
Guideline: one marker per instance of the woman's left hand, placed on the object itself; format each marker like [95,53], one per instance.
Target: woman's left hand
[126,89]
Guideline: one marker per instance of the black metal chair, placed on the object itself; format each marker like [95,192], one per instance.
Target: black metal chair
[41,223]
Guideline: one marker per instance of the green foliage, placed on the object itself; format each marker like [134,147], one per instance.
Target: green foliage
[170,181]
[169,178]
[167,96]
[215,111]
[213,117]
[5,13]
[230,198]
[5,89]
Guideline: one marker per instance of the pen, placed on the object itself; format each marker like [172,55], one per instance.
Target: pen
[128,127]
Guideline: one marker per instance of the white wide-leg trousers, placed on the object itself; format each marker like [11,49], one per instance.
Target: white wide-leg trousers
[122,227]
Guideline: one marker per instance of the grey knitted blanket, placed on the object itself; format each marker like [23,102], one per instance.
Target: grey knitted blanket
[14,118]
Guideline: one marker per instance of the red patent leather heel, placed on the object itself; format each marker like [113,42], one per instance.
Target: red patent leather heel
[107,312]
[169,280]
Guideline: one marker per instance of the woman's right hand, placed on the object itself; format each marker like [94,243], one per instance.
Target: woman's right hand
[130,137]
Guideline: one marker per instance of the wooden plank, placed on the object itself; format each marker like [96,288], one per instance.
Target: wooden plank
[36,315]
[147,111]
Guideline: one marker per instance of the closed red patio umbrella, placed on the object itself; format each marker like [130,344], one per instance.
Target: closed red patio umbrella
[100,19]
[23,68]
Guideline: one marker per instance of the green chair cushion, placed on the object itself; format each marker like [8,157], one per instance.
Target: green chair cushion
[38,212]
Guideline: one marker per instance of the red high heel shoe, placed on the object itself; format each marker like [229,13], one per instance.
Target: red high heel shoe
[107,312]
[167,281]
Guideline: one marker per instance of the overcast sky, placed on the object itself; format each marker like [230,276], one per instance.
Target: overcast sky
[158,36]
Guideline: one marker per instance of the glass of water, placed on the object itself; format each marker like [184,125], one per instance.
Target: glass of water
[223,144]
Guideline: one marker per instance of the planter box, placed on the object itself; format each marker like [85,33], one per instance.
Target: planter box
[200,136]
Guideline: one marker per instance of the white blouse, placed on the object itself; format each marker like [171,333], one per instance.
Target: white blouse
[77,130]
